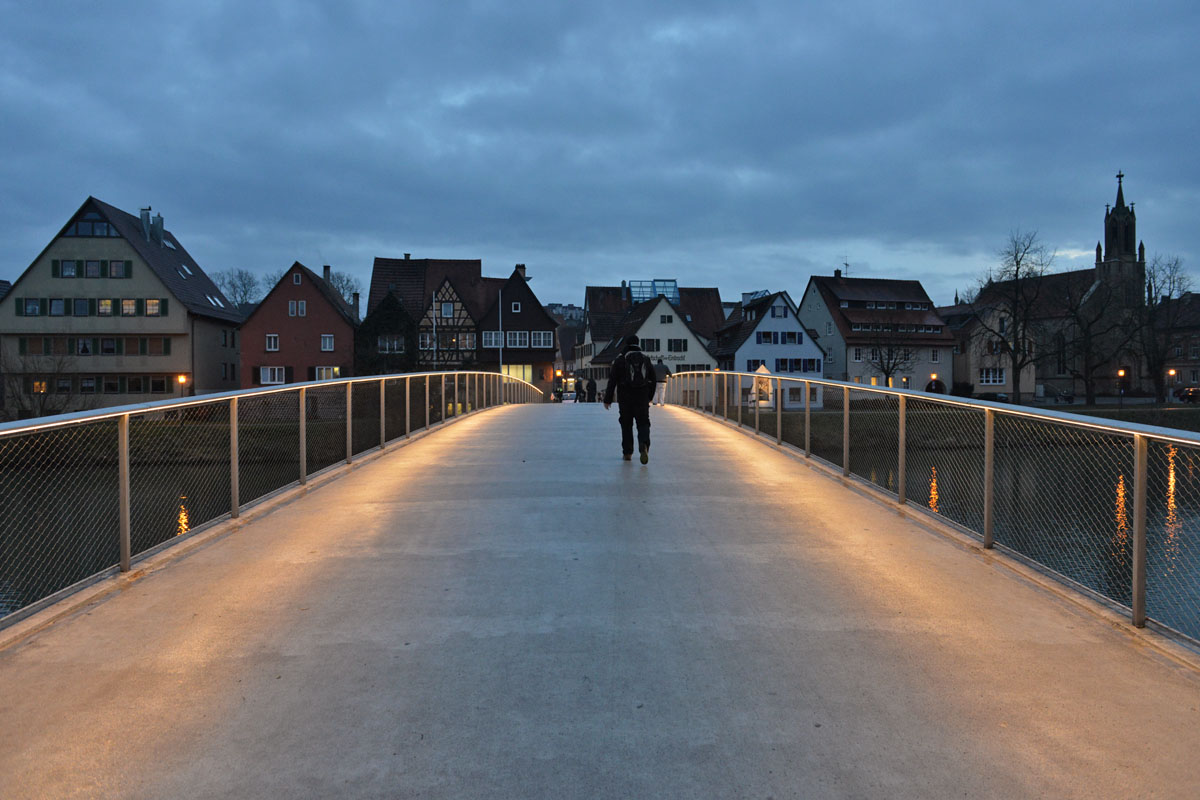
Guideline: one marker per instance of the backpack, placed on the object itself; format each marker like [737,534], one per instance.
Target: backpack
[635,370]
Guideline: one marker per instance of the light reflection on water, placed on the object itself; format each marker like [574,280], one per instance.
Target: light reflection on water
[1121,511]
[933,490]
[1171,541]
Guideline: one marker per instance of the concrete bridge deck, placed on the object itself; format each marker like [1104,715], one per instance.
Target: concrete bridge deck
[506,609]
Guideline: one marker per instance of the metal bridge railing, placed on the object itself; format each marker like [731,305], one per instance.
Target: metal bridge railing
[1112,509]
[83,495]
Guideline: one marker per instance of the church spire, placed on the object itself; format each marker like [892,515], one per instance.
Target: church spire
[1120,191]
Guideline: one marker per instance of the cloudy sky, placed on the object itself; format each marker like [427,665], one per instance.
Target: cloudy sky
[743,145]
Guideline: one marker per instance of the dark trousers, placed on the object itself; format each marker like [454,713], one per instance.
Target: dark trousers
[634,411]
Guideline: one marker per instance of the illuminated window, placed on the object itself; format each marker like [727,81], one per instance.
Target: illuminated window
[154,309]
[39,387]
[129,308]
[104,308]
[328,373]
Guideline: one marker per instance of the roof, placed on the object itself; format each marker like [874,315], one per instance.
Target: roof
[569,334]
[886,289]
[331,295]
[836,288]
[4,287]
[194,289]
[414,280]
[632,321]
[607,306]
[1046,291]
[705,309]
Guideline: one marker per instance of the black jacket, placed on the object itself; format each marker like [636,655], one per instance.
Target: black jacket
[618,376]
[661,372]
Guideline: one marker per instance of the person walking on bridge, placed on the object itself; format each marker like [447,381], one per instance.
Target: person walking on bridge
[661,373]
[631,380]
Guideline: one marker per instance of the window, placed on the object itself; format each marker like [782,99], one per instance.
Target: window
[844,304]
[935,356]
[516,308]
[270,375]
[425,341]
[272,342]
[296,278]
[541,338]
[1178,348]
[326,342]
[38,387]
[116,269]
[676,345]
[651,345]
[136,384]
[779,311]
[327,373]
[291,308]
[858,354]
[1194,352]
[875,354]
[390,344]
[447,310]
[466,341]
[828,328]
[795,394]
[80,307]
[224,371]
[991,376]
[158,384]
[57,307]
[665,319]
[111,384]
[91,269]
[870,304]
[83,347]
[63,385]
[781,365]
[33,307]
[492,339]
[753,364]
[129,308]
[67,269]
[518,339]
[108,347]
[87,385]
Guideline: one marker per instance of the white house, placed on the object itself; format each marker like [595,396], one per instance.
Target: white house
[663,333]
[765,330]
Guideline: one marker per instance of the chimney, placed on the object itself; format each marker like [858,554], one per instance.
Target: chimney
[355,304]
[521,269]
[146,222]
[327,272]
[837,273]
[156,229]
[407,256]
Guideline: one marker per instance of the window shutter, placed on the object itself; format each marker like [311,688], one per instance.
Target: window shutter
[91,306]
[312,373]
[163,307]
[103,269]
[166,345]
[116,301]
[287,374]
[143,346]
[44,306]
[69,307]
[128,269]
[256,376]
[71,347]
[120,346]
[22,347]
[47,346]
[121,384]
[20,306]
[140,309]
[96,345]
[55,269]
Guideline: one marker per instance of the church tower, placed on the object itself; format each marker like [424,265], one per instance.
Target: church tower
[1121,265]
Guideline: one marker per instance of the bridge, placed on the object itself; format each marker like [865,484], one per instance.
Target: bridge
[502,607]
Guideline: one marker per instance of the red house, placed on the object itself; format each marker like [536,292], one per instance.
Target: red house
[303,330]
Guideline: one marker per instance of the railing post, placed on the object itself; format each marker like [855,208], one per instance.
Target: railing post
[349,422]
[989,474]
[754,394]
[737,393]
[846,430]
[234,474]
[1140,448]
[382,412]
[123,477]
[807,419]
[454,405]
[427,409]
[442,399]
[407,406]
[902,446]
[779,411]
[303,436]
[725,394]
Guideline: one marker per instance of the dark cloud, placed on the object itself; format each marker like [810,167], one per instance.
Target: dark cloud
[743,147]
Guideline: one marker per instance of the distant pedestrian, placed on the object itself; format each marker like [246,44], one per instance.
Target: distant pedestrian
[579,390]
[631,380]
[591,389]
[661,373]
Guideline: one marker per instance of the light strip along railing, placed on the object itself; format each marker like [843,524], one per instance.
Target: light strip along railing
[1112,509]
[85,494]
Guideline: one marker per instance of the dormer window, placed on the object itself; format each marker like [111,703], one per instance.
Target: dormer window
[187,273]
[871,304]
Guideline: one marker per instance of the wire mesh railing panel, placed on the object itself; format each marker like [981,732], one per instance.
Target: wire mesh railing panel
[875,438]
[365,405]
[944,460]
[325,421]
[418,408]
[394,408]
[268,444]
[793,414]
[1173,536]
[179,472]
[435,412]
[1064,498]
[827,426]
[59,510]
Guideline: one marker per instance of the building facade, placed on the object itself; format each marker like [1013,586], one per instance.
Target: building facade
[663,333]
[765,330]
[114,311]
[303,330]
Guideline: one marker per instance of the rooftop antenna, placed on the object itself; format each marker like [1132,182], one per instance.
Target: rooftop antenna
[845,266]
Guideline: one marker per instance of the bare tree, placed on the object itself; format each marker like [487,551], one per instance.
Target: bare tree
[1156,323]
[890,354]
[1008,304]
[239,285]
[1094,331]
[40,386]
[345,284]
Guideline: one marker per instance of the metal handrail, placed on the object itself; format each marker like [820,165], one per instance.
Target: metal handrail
[700,390]
[35,453]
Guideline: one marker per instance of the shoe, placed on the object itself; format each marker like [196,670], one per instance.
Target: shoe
[645,455]
[628,456]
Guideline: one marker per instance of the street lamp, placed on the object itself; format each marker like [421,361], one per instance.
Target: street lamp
[1121,388]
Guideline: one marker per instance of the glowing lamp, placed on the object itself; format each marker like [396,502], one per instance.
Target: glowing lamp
[933,376]
[1120,373]
[182,379]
